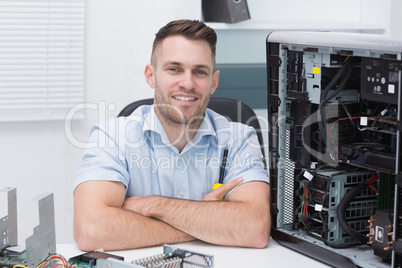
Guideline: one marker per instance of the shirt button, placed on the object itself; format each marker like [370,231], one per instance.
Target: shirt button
[181,194]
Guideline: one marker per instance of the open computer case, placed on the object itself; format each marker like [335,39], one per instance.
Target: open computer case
[335,146]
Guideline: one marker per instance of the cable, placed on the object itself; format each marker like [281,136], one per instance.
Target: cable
[340,212]
[336,92]
[374,189]
[43,263]
[346,200]
[348,114]
[334,245]
[330,85]
[348,67]
[54,256]
[338,75]
[373,178]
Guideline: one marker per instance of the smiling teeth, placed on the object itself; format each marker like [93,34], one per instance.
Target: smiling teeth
[184,98]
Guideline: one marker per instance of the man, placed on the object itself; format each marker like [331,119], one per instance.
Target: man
[149,181]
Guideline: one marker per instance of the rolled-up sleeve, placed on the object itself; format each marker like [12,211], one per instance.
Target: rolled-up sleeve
[103,160]
[245,158]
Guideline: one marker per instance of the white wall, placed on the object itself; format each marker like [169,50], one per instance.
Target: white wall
[244,42]
[37,157]
[395,20]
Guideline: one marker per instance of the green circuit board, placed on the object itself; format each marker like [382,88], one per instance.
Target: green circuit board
[12,261]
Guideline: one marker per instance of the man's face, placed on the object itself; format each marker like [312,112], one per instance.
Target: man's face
[182,74]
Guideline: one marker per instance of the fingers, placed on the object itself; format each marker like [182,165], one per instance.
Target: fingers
[221,191]
[225,188]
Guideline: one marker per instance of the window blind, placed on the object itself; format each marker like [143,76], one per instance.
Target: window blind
[41,58]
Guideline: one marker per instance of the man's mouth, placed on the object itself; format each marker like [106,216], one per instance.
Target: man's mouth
[182,98]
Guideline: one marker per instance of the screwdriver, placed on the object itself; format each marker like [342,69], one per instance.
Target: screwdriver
[222,171]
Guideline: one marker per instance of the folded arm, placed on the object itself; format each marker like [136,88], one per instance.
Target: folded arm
[100,221]
[242,220]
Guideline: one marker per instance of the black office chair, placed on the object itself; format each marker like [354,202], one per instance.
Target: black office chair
[233,110]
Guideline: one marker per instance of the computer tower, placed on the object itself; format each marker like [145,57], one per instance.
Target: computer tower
[335,146]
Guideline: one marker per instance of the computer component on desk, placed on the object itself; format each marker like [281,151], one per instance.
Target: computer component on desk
[335,146]
[39,246]
[174,257]
[90,259]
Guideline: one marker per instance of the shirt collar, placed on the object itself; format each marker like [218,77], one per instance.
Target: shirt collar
[152,124]
[206,129]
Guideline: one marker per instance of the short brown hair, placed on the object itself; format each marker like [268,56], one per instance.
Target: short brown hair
[190,29]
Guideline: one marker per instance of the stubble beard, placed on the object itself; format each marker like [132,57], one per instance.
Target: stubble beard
[174,115]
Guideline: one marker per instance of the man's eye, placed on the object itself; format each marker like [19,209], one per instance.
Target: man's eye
[173,69]
[200,72]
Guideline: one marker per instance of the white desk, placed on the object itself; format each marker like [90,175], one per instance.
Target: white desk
[274,255]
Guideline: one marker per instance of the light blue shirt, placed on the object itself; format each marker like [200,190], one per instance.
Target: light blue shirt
[136,151]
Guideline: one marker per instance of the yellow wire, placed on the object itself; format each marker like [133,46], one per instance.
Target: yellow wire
[49,259]
[43,262]
[40,264]
[20,266]
[60,259]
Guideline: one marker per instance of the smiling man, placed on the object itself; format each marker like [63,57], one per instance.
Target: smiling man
[149,181]
[184,77]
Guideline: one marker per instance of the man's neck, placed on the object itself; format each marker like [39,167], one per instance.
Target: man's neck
[180,134]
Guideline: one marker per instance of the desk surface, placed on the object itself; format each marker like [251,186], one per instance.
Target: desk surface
[274,255]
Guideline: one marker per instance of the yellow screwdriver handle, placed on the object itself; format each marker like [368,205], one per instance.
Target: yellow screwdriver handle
[216,186]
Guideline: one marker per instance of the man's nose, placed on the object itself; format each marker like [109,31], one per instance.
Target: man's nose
[187,81]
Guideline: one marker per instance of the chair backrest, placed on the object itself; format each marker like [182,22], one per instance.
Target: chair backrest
[233,110]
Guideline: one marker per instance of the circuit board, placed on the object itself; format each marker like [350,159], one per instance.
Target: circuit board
[10,259]
[88,260]
[11,262]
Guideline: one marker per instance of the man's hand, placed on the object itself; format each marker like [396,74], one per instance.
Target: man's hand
[222,190]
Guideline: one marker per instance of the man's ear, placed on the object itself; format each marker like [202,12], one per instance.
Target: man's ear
[215,81]
[150,75]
